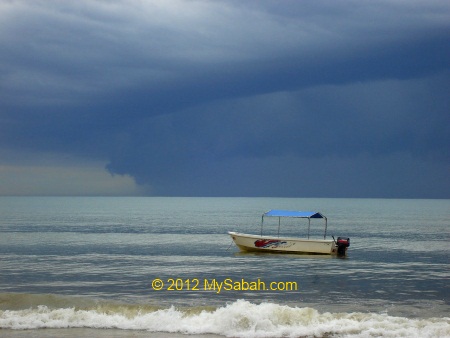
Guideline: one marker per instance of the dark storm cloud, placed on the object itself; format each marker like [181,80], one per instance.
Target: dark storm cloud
[232,97]
[268,150]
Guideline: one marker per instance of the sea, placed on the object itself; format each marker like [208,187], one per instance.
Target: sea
[166,267]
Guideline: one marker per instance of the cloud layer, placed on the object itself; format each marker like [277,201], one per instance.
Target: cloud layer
[214,98]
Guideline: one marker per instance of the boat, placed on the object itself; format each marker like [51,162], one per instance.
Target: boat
[277,244]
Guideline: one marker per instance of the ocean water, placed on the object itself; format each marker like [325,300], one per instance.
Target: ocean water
[166,267]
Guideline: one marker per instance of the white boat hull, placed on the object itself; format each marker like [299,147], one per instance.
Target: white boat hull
[247,242]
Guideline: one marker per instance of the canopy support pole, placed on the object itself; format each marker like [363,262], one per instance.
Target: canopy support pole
[279,223]
[309,225]
[325,234]
[262,222]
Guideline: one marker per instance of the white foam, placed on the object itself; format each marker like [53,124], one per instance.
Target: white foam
[238,319]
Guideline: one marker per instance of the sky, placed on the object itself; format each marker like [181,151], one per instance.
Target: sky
[265,98]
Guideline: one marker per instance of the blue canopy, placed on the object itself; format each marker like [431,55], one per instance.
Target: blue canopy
[295,214]
[289,213]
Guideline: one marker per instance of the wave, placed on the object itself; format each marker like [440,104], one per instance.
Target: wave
[237,319]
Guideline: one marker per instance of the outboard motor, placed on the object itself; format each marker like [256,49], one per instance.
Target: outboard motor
[342,244]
